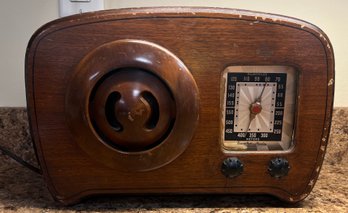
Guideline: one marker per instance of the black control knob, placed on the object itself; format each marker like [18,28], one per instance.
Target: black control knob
[232,167]
[278,167]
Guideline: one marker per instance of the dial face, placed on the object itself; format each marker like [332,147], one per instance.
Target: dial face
[258,108]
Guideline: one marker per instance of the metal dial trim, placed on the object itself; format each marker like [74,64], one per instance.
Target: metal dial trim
[286,143]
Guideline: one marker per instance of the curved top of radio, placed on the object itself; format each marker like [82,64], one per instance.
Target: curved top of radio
[180,12]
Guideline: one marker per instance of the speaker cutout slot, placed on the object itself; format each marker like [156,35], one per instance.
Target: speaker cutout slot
[154,117]
[110,111]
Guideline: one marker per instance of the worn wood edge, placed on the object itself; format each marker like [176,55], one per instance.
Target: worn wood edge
[328,116]
[178,12]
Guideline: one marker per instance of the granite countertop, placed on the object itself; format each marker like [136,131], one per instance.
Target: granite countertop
[24,191]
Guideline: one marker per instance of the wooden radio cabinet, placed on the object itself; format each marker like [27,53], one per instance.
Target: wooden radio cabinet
[179,100]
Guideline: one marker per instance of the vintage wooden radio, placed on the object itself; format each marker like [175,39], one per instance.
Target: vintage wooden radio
[179,100]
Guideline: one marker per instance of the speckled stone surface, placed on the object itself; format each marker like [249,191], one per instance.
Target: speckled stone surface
[22,190]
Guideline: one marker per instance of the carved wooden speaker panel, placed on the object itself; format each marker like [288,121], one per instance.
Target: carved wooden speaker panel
[179,100]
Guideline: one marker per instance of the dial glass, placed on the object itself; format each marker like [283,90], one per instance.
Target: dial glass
[258,108]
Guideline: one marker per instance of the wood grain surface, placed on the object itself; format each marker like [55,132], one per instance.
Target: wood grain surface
[207,41]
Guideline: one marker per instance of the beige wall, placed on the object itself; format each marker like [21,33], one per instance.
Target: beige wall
[19,19]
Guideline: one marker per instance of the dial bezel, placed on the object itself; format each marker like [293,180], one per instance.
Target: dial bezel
[290,104]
